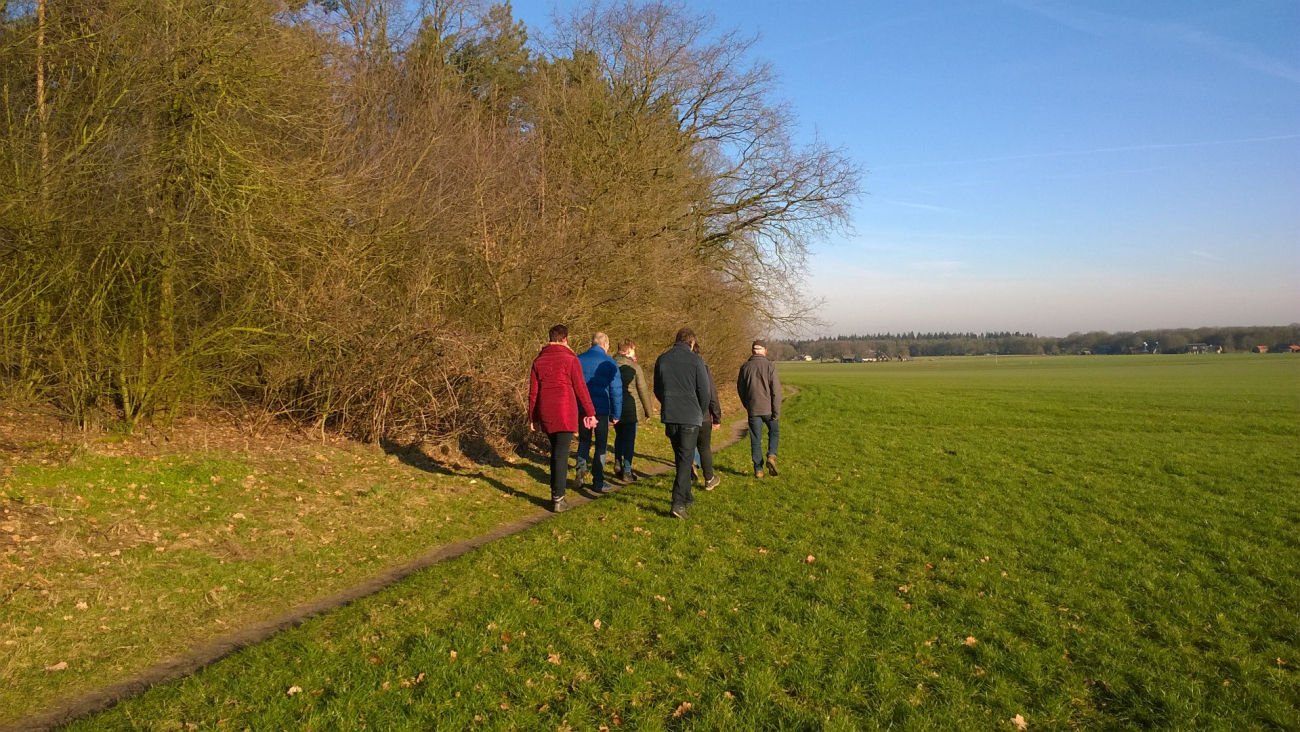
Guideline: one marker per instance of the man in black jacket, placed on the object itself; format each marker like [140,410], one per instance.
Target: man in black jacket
[759,388]
[682,388]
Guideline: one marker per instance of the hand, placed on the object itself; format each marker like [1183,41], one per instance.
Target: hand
[717,426]
[590,422]
[532,426]
[613,421]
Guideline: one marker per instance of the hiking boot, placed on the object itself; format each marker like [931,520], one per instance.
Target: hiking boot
[632,477]
[712,483]
[619,475]
[606,489]
[679,512]
[771,465]
[580,474]
[559,505]
[758,472]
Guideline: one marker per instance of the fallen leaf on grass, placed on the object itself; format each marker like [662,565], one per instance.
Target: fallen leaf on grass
[294,690]
[810,559]
[682,709]
[60,666]
[970,640]
[596,623]
[903,588]
[761,550]
[984,560]
[554,658]
[453,655]
[505,706]
[1019,722]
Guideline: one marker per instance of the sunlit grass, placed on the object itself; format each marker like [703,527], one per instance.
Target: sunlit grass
[1084,543]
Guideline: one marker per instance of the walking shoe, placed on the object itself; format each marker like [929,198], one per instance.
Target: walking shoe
[605,489]
[580,473]
[758,472]
[679,512]
[559,505]
[712,483]
[619,475]
[771,465]
[632,477]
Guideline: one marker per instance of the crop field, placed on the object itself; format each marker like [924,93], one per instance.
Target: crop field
[1040,543]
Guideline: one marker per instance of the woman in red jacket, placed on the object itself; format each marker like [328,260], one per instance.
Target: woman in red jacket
[556,392]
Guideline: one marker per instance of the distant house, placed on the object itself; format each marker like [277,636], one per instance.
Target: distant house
[1293,348]
[1261,349]
[1200,348]
[806,357]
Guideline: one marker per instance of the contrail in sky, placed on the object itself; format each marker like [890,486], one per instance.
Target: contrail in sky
[1094,151]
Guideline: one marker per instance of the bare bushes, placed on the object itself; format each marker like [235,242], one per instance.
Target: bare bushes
[306,210]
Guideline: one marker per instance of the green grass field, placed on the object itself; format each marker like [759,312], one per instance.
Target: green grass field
[959,544]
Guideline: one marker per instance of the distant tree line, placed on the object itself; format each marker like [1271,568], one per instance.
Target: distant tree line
[364,214]
[907,345]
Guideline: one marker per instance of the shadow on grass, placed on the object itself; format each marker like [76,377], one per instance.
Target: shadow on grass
[412,455]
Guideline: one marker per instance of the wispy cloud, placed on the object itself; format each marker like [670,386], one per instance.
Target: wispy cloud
[1203,254]
[1092,151]
[1109,25]
[922,206]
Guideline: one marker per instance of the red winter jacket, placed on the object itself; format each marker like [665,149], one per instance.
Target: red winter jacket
[555,388]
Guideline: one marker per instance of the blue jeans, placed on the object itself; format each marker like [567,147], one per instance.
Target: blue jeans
[756,437]
[624,444]
[601,443]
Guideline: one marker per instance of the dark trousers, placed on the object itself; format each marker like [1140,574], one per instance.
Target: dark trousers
[756,423]
[684,438]
[601,443]
[624,444]
[561,443]
[704,451]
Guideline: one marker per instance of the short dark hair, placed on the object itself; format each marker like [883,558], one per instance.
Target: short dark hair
[685,335]
[759,344]
[559,333]
[626,345]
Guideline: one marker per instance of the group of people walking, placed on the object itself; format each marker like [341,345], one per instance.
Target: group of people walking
[584,395]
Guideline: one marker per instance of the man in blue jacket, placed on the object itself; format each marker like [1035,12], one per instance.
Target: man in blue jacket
[606,388]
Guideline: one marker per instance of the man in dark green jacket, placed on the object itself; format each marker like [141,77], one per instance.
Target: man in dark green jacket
[682,388]
[637,402]
[760,391]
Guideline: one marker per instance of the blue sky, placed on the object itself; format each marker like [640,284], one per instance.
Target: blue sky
[1047,166]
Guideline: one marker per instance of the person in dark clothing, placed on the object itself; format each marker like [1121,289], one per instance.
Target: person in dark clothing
[606,388]
[681,385]
[637,403]
[712,421]
[556,390]
[760,391]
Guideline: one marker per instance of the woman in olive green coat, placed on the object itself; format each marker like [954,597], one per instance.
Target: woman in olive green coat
[636,408]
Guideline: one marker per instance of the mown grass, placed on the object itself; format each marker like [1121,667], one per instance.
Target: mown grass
[1087,543]
[111,561]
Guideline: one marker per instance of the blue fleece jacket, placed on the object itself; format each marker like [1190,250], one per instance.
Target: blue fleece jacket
[603,381]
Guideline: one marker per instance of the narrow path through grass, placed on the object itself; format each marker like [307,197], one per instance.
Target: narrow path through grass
[1069,543]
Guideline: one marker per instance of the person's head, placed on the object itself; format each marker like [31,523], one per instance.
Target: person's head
[559,334]
[759,348]
[627,348]
[687,336]
[602,340]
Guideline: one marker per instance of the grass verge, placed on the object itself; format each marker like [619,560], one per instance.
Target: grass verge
[1057,543]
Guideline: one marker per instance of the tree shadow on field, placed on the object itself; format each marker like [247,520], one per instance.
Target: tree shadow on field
[442,459]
